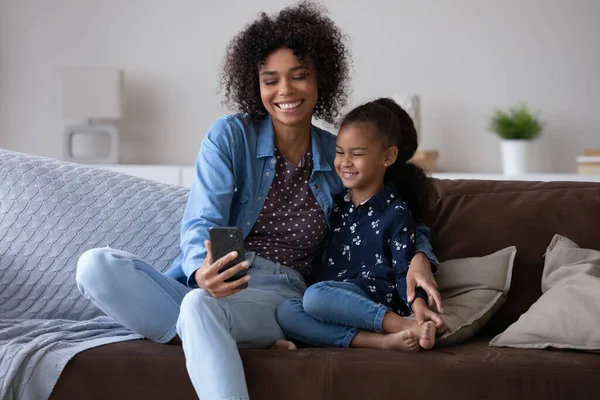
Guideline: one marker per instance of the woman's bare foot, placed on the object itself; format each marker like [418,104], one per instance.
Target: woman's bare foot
[426,334]
[405,341]
[175,341]
[283,344]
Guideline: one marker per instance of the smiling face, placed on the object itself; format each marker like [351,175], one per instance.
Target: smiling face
[361,159]
[288,88]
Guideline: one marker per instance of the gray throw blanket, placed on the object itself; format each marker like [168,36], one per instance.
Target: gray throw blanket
[50,213]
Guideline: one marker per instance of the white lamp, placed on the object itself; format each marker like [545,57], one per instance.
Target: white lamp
[88,94]
[412,105]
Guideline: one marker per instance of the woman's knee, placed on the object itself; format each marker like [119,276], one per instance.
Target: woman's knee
[93,267]
[196,299]
[198,308]
[198,302]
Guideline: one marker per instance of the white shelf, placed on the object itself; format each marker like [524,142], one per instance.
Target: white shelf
[187,176]
[183,175]
[169,174]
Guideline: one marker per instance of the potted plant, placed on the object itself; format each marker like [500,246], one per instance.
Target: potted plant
[516,129]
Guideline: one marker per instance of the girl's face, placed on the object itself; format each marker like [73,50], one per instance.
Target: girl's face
[361,158]
[288,89]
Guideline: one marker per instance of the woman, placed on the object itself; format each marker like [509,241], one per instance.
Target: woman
[266,170]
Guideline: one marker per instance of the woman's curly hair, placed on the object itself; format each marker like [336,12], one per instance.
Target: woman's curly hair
[303,28]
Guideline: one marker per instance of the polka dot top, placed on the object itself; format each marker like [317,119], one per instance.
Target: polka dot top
[291,225]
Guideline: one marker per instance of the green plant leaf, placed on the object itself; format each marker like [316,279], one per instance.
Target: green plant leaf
[518,123]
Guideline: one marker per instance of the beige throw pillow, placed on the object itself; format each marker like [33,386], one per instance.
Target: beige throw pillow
[566,316]
[473,289]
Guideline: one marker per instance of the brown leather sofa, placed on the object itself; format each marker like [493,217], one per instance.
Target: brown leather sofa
[468,218]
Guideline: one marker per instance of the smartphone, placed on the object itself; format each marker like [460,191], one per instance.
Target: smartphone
[224,240]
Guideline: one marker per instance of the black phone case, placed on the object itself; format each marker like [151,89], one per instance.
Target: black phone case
[223,241]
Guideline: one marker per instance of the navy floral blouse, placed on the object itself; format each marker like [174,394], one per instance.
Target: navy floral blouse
[371,246]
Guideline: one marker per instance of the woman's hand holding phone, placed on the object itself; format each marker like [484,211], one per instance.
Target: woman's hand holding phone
[208,276]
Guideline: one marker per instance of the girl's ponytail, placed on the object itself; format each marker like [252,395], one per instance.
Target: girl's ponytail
[413,184]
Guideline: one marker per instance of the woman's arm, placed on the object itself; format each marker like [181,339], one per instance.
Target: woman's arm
[417,282]
[210,198]
[403,251]
[422,267]
[423,245]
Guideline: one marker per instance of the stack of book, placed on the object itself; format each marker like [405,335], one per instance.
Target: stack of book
[589,162]
[427,159]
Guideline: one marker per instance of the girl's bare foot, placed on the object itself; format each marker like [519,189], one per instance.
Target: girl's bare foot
[405,341]
[426,334]
[283,344]
[440,330]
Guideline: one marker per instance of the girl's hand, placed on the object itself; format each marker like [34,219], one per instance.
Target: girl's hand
[424,314]
[420,275]
[209,278]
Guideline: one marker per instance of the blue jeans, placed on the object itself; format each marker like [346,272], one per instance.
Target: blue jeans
[159,307]
[330,315]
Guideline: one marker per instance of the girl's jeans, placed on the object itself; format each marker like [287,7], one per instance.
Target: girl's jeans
[330,315]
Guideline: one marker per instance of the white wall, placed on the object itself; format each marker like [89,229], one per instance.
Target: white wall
[464,57]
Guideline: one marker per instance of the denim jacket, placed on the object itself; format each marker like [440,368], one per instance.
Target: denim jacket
[234,171]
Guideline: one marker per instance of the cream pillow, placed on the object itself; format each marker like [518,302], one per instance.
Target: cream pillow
[473,289]
[566,316]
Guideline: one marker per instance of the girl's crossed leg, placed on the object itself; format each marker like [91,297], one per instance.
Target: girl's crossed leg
[339,314]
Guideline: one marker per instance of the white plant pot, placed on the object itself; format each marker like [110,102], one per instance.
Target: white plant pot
[515,156]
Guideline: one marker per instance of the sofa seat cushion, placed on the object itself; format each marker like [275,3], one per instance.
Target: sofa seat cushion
[144,370]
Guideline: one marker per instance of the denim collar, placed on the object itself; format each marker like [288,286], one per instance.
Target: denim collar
[266,139]
[266,145]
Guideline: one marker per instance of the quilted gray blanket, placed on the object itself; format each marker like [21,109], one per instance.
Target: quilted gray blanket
[50,213]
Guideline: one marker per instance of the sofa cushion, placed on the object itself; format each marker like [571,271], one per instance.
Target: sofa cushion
[471,218]
[144,370]
[472,290]
[566,316]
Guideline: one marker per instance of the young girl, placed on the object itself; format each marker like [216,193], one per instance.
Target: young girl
[360,300]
